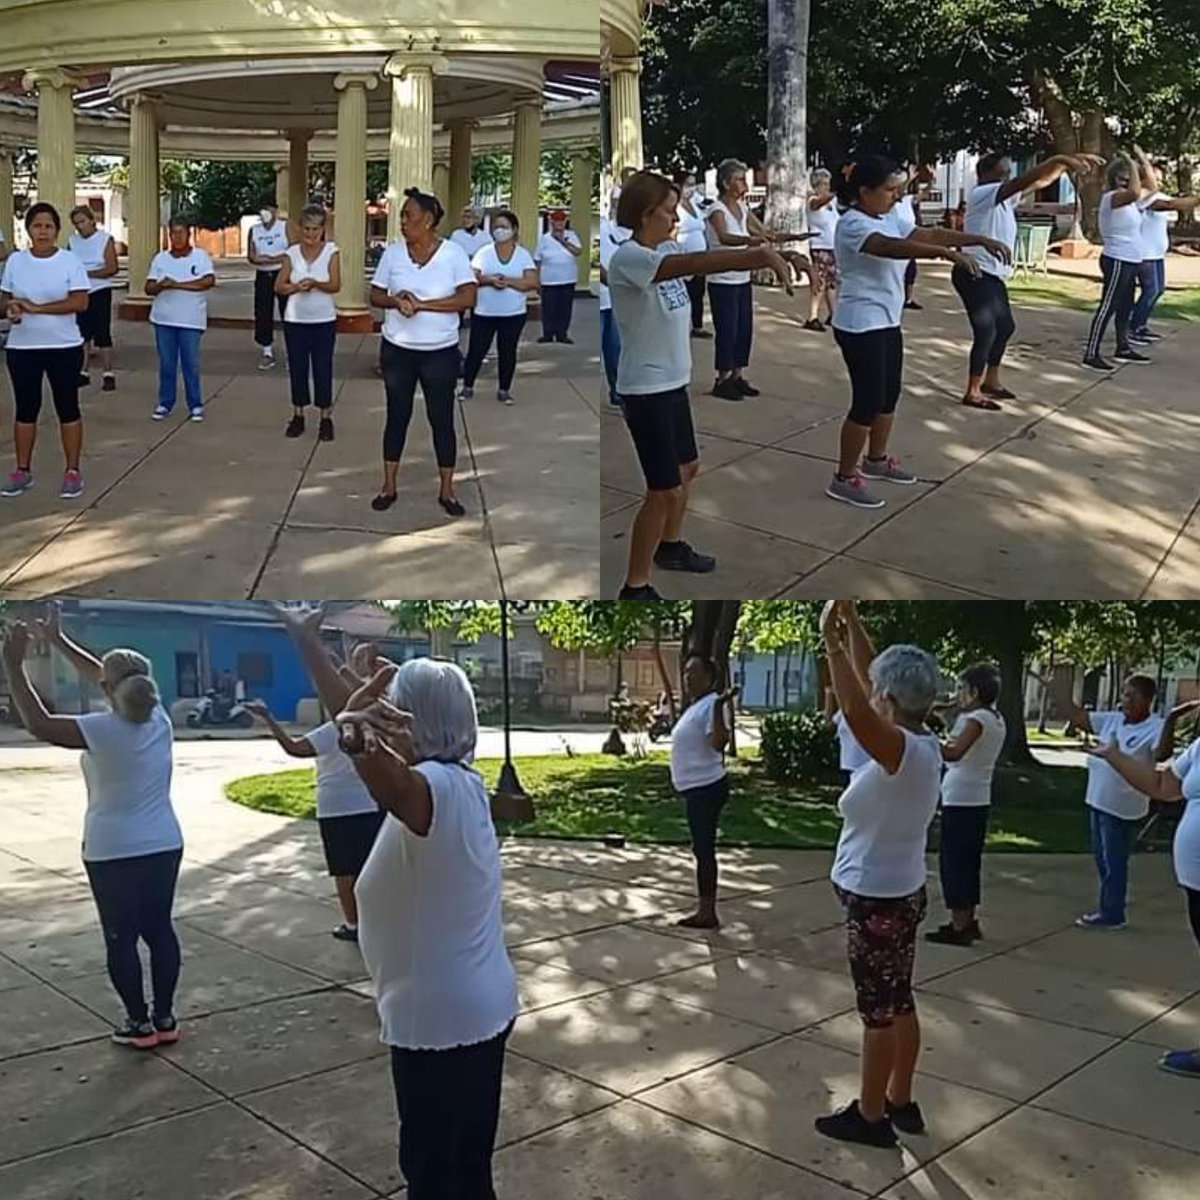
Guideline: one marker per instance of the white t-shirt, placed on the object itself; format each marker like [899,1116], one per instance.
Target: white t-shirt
[1156,240]
[871,293]
[43,281]
[430,923]
[823,223]
[185,310]
[127,769]
[438,279]
[1121,230]
[1186,768]
[694,762]
[558,264]
[316,307]
[735,223]
[611,236]
[1106,790]
[906,214]
[340,790]
[691,232]
[851,756]
[653,320]
[91,253]
[968,782]
[269,242]
[471,243]
[985,218]
[502,302]
[885,819]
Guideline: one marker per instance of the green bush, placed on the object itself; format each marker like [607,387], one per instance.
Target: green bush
[798,745]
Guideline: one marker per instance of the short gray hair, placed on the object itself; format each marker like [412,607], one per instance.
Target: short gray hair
[909,677]
[819,175]
[727,170]
[439,697]
[314,214]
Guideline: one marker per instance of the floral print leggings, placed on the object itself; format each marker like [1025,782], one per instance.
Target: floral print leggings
[881,936]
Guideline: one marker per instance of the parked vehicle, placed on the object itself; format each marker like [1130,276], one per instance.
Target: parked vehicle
[215,709]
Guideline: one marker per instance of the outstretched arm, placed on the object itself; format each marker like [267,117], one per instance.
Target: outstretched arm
[296,747]
[86,664]
[1043,174]
[305,628]
[952,238]
[37,719]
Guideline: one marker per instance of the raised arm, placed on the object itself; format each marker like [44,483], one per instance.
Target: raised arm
[305,629]
[86,664]
[1159,783]
[296,747]
[1166,742]
[39,722]
[1080,717]
[862,649]
[1043,174]
[719,738]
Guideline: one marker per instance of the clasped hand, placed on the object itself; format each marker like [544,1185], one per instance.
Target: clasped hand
[369,724]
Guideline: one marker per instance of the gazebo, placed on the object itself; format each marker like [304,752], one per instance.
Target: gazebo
[425,84]
[621,26]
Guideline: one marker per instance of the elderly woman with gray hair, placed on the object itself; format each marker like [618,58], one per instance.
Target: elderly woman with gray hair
[132,843]
[822,220]
[879,869]
[429,907]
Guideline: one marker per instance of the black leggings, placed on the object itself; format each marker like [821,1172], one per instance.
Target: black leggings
[1193,903]
[60,367]
[704,805]
[695,287]
[265,301]
[310,347]
[960,856]
[558,305]
[134,897]
[910,273]
[875,360]
[986,301]
[507,332]
[1116,300]
[732,307]
[437,373]
[449,1107]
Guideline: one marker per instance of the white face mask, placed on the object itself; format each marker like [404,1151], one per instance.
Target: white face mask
[689,190]
[266,216]
[502,234]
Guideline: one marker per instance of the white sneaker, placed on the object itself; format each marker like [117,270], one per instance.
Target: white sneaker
[266,362]
[197,414]
[160,414]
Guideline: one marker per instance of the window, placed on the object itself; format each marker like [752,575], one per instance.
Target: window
[187,676]
[254,670]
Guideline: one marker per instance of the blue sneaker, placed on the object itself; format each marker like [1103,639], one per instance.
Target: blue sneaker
[1095,920]
[18,483]
[1181,1062]
[160,413]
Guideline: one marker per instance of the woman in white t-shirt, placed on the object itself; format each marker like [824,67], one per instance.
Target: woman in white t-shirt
[879,869]
[98,253]
[872,248]
[1178,781]
[423,283]
[132,843]
[432,931]
[976,740]
[822,220]
[698,774]
[692,236]
[42,291]
[309,278]
[179,280]
[1120,219]
[556,254]
[507,274]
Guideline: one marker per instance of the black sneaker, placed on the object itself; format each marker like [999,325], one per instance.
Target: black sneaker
[645,592]
[815,326]
[84,379]
[140,1034]
[346,933]
[108,383]
[565,341]
[1132,356]
[325,430]
[913,305]
[947,935]
[1098,364]
[679,556]
[849,1125]
[746,388]
[906,1117]
[544,341]
[1148,335]
[295,427]
[702,334]
[727,389]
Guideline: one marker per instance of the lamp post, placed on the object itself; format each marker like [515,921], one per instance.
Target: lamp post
[510,800]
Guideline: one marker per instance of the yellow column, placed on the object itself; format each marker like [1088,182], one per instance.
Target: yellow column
[6,197]
[626,116]
[441,187]
[282,184]
[581,215]
[460,166]
[144,211]
[410,147]
[297,190]
[350,179]
[55,140]
[527,169]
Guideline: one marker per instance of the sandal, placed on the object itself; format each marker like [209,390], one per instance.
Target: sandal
[1000,393]
[452,506]
[383,502]
[986,404]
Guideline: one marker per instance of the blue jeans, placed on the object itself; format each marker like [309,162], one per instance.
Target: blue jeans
[1152,279]
[1111,838]
[610,350]
[178,347]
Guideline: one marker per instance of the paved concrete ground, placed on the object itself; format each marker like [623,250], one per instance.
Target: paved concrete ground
[647,1065]
[232,509]
[1183,270]
[1082,488]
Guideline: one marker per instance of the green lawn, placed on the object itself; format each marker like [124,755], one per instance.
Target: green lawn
[1037,809]
[1070,291]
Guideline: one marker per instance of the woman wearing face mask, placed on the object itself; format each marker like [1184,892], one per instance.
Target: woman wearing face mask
[507,274]
[310,277]
[422,283]
[693,239]
[42,291]
[556,254]
[822,220]
[267,247]
[95,248]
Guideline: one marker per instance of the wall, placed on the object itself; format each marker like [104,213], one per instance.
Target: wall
[289,680]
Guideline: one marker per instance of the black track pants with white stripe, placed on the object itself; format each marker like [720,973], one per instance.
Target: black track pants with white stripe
[1116,300]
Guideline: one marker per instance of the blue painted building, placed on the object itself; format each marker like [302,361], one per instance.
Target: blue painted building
[776,680]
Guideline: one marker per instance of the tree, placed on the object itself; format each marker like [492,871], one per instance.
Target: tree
[223,192]
[787,114]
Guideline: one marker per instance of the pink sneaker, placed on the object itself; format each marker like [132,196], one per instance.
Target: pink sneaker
[72,486]
[18,483]
[852,490]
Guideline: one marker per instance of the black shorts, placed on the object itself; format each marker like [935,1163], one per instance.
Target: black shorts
[348,841]
[95,322]
[663,435]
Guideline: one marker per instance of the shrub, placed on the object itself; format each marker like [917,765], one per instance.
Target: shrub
[798,745]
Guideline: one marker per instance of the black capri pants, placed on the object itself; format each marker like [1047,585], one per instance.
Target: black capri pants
[437,373]
[265,303]
[310,351]
[695,287]
[507,332]
[26,369]
[704,807]
[95,322]
[875,360]
[986,301]
[663,436]
[733,324]
[960,856]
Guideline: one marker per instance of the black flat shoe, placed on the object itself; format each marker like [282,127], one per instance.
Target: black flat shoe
[679,556]
[645,592]
[849,1125]
[947,935]
[727,389]
[1000,393]
[325,430]
[295,427]
[544,341]
[383,502]
[745,387]
[908,1118]
[452,506]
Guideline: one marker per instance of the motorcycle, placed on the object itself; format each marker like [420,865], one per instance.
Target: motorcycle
[660,726]
[216,710]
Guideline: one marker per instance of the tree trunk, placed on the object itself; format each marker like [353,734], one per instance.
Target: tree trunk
[710,635]
[1012,704]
